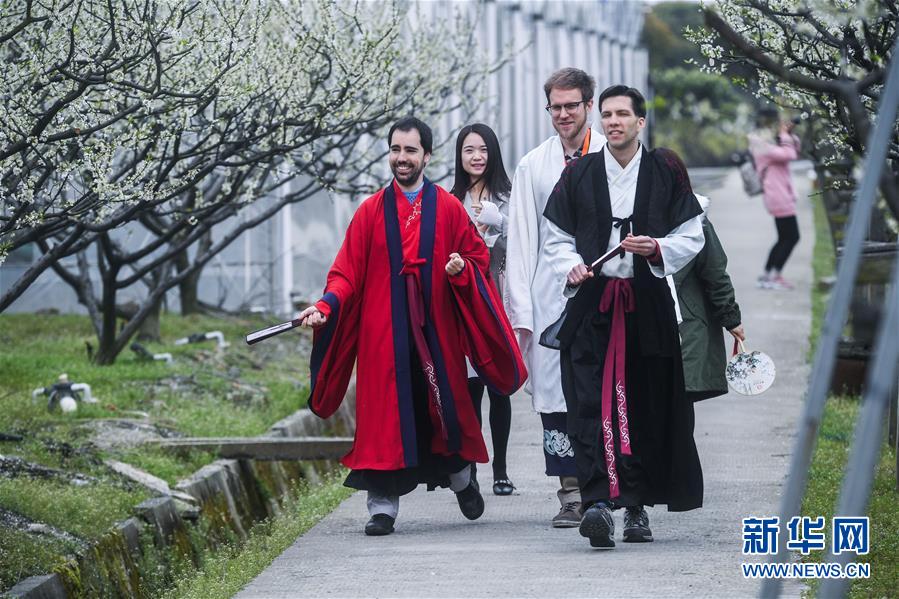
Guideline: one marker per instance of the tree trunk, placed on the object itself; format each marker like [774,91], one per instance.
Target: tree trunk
[106,352]
[188,289]
[149,328]
[190,303]
[149,324]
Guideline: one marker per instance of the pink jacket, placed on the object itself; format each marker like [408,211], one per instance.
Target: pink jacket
[772,161]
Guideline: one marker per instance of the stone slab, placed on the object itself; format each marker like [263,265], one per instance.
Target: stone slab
[47,586]
[267,448]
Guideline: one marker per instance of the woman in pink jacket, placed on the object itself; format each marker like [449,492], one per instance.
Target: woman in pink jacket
[773,146]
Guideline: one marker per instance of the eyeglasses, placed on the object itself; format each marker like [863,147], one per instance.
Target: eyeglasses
[556,109]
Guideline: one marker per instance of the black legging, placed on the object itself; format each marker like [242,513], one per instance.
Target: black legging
[500,422]
[787,238]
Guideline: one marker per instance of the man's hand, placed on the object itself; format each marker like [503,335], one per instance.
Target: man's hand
[738,333]
[312,318]
[578,274]
[455,264]
[639,244]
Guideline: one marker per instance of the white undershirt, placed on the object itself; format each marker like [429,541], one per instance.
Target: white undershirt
[622,194]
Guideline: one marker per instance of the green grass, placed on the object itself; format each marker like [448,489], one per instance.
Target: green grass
[825,479]
[34,350]
[831,455]
[21,557]
[85,511]
[235,565]
[240,391]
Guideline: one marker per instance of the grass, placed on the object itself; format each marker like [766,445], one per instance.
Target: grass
[232,567]
[831,455]
[21,557]
[240,391]
[85,511]
[825,480]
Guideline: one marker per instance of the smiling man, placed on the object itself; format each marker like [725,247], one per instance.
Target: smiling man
[629,420]
[408,297]
[533,295]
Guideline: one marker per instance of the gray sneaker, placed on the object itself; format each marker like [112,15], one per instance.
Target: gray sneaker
[569,516]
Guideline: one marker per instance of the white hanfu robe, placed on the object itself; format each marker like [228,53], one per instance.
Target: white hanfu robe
[533,291]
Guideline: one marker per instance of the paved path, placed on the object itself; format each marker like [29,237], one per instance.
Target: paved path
[512,551]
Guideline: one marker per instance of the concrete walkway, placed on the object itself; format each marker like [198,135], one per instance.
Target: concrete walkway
[511,551]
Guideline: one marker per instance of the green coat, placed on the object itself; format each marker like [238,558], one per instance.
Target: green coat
[707,305]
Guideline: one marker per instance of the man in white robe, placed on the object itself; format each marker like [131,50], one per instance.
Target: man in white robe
[532,295]
[630,421]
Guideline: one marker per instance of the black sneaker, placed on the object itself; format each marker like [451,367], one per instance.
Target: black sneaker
[470,501]
[636,526]
[379,525]
[598,526]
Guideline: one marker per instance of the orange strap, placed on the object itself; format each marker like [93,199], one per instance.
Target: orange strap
[586,147]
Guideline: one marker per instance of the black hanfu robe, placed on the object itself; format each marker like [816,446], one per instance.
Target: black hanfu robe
[633,446]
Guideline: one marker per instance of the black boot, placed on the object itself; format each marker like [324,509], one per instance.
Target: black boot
[470,501]
[379,525]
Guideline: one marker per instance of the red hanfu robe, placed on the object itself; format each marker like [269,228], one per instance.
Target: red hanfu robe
[367,302]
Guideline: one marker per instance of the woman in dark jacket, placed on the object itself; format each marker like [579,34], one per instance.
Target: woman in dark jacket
[707,304]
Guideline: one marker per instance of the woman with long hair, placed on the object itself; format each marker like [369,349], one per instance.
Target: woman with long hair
[483,187]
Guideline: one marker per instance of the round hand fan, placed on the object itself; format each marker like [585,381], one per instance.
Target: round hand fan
[749,373]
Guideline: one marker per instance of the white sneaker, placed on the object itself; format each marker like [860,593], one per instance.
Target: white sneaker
[780,284]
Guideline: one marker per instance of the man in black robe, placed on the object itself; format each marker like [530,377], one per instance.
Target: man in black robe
[630,422]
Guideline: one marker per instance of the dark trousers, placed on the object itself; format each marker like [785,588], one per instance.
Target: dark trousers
[500,422]
[663,467]
[787,238]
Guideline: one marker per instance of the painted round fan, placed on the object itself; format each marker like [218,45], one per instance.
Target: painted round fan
[749,372]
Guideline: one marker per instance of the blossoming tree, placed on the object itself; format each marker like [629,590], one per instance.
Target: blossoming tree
[175,117]
[827,57]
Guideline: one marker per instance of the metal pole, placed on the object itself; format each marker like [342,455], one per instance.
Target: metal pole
[837,309]
[868,430]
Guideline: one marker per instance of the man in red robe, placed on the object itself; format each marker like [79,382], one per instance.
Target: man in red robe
[408,297]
